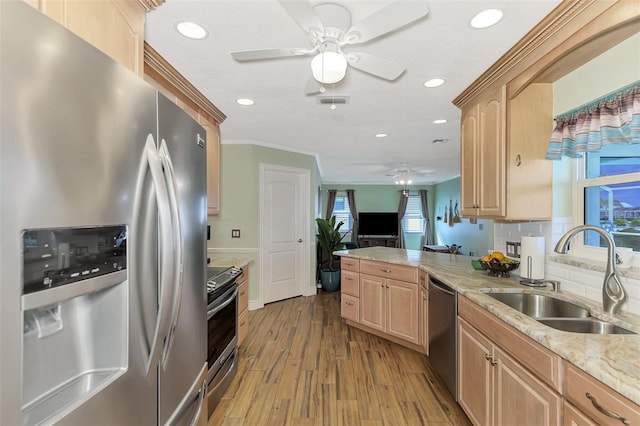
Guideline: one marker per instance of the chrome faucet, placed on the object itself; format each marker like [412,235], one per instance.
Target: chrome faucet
[613,293]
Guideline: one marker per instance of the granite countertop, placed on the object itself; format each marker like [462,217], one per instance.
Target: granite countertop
[240,262]
[613,359]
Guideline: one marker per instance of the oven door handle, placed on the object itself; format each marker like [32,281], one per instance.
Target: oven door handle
[229,296]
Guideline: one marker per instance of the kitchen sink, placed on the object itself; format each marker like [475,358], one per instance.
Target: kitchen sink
[540,305]
[558,313]
[584,325]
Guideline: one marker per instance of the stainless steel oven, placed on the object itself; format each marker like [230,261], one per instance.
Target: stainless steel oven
[222,326]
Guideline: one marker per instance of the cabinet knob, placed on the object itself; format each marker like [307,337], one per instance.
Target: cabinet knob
[604,411]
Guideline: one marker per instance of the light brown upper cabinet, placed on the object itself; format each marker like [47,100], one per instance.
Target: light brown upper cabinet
[507,112]
[503,144]
[116,27]
[483,156]
[159,73]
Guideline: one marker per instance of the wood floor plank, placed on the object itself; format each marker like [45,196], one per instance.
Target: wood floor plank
[260,409]
[300,364]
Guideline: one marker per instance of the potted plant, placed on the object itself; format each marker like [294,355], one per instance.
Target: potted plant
[330,240]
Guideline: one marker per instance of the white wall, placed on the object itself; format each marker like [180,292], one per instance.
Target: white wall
[610,71]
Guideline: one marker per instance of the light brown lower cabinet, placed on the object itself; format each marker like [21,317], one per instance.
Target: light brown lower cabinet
[384,299]
[243,306]
[495,389]
[390,306]
[596,402]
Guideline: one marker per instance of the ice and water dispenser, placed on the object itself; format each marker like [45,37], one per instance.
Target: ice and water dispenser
[74,304]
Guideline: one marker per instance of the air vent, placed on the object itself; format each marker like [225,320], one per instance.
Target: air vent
[333,100]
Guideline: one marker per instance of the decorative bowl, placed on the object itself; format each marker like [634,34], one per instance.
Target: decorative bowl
[477,265]
[498,269]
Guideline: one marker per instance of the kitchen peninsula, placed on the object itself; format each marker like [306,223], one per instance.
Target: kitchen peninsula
[610,359]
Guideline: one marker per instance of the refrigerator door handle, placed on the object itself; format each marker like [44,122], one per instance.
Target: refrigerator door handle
[151,162]
[201,396]
[170,181]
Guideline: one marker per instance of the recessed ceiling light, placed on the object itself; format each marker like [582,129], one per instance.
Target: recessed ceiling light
[191,30]
[486,18]
[441,121]
[381,135]
[434,82]
[244,101]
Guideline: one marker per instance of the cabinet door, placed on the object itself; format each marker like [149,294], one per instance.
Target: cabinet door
[520,398]
[402,310]
[372,301]
[468,154]
[213,166]
[423,326]
[116,27]
[474,374]
[491,154]
[529,174]
[574,417]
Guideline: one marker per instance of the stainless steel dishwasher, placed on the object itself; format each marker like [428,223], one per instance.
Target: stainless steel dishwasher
[443,312]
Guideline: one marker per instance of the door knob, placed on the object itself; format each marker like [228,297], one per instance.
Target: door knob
[299,240]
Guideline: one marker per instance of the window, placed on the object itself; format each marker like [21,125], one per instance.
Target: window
[611,194]
[413,221]
[342,212]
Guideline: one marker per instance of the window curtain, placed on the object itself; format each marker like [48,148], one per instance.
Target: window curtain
[351,197]
[427,236]
[331,202]
[402,208]
[614,118]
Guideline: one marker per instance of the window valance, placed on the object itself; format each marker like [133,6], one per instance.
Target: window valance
[614,118]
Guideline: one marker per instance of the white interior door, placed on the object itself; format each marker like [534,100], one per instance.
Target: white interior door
[284,232]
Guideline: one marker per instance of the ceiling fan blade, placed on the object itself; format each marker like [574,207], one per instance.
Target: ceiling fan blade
[375,65]
[387,19]
[313,86]
[302,12]
[251,55]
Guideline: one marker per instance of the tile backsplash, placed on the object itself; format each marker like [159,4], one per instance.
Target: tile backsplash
[574,279]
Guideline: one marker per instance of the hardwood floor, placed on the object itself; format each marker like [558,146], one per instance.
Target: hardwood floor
[302,365]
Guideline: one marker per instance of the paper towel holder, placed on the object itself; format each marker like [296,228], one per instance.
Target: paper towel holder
[530,281]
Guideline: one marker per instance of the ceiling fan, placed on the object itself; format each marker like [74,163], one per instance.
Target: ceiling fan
[329,29]
[404,170]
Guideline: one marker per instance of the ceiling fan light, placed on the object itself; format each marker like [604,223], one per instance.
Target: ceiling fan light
[328,67]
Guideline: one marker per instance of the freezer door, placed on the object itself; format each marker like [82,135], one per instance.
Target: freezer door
[73,127]
[181,144]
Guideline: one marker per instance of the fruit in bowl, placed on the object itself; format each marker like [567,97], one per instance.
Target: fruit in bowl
[498,265]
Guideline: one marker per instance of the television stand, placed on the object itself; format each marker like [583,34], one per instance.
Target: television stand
[378,241]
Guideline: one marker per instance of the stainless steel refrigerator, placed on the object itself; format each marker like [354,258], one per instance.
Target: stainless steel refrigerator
[103,238]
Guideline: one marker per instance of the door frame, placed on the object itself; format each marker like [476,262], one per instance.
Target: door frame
[306,289]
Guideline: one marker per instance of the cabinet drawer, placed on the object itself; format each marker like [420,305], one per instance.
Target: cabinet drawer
[243,326]
[350,307]
[387,270]
[243,297]
[540,360]
[243,277]
[588,393]
[350,283]
[349,264]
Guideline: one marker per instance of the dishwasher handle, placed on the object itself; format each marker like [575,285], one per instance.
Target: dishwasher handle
[441,287]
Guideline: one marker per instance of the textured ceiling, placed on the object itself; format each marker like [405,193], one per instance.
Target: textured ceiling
[442,44]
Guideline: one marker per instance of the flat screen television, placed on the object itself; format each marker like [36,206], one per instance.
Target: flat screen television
[377,223]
